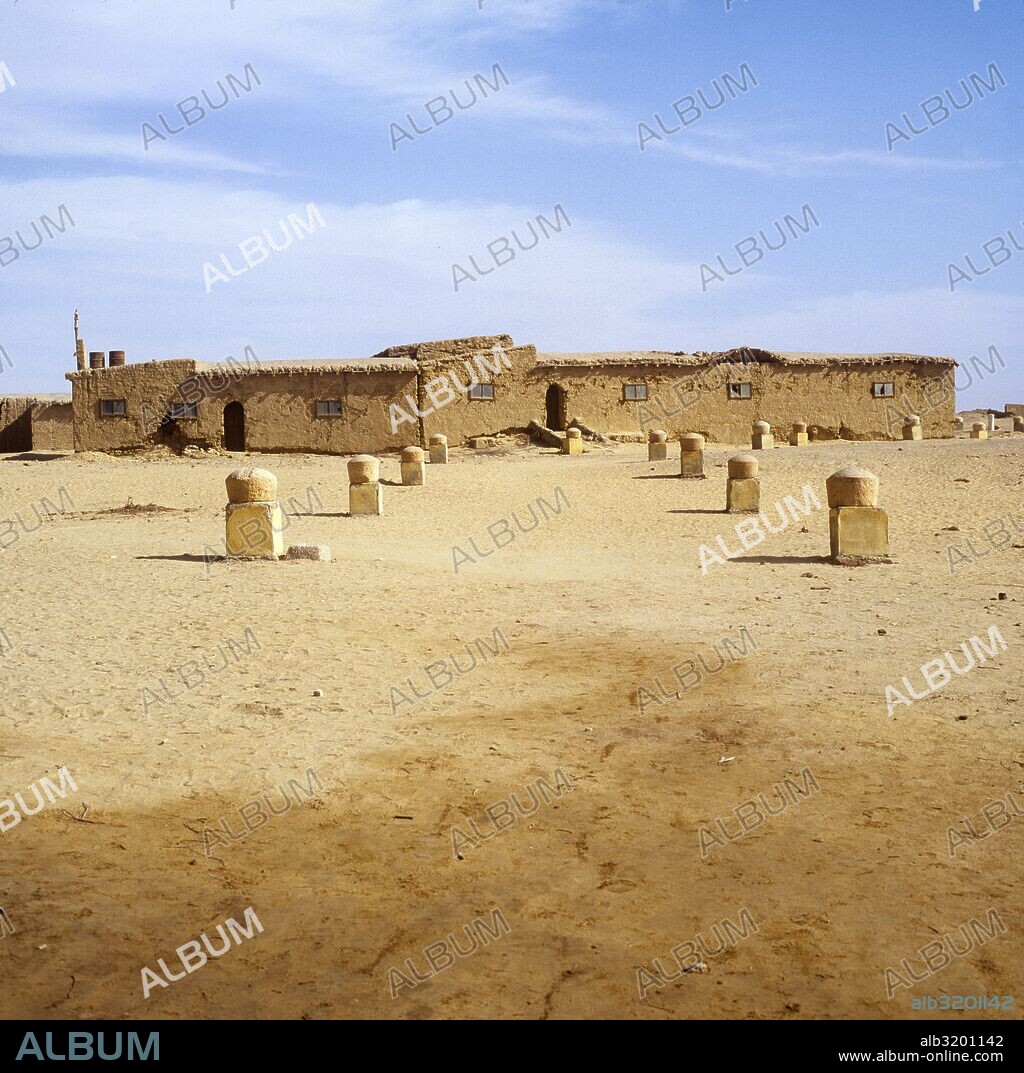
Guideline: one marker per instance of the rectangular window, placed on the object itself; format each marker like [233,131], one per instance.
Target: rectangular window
[183,411]
[634,392]
[739,391]
[113,408]
[482,391]
[328,408]
[882,391]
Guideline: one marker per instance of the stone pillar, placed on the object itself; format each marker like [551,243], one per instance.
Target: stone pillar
[858,530]
[364,491]
[414,469]
[991,422]
[573,442]
[657,445]
[743,489]
[798,437]
[438,450]
[254,520]
[761,438]
[691,455]
[80,358]
[979,432]
[912,427]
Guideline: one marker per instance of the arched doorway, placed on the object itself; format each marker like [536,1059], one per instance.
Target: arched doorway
[556,408]
[234,427]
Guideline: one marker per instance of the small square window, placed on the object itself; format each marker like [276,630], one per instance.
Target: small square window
[882,391]
[634,392]
[113,408]
[328,408]
[183,411]
[482,391]
[739,391]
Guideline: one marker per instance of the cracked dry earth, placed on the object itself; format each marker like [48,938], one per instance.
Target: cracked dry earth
[602,878]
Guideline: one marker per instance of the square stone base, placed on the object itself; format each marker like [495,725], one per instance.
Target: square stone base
[365,499]
[743,495]
[439,455]
[413,473]
[572,447]
[657,452]
[763,443]
[858,534]
[254,530]
[798,439]
[979,434]
[912,432]
[691,464]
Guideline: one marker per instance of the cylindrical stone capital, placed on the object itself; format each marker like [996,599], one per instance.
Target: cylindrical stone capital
[574,434]
[363,469]
[657,435]
[251,485]
[437,440]
[852,487]
[799,426]
[691,441]
[761,428]
[912,421]
[978,426]
[412,454]
[742,467]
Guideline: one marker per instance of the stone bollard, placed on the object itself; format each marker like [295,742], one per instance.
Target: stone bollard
[691,455]
[958,424]
[414,469]
[438,450]
[365,495]
[254,521]
[761,438]
[657,445]
[979,432]
[858,529]
[912,427]
[743,489]
[798,437]
[573,442]
[1018,424]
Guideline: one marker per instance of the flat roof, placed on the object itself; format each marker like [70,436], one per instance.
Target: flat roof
[310,365]
[738,355]
[38,398]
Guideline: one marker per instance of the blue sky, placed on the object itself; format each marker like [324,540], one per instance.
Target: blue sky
[581,75]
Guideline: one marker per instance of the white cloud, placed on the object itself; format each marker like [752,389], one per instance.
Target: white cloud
[381,273]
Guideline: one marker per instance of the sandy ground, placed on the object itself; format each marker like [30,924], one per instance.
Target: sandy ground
[595,602]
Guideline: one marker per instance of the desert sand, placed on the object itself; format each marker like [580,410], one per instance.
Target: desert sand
[101,604]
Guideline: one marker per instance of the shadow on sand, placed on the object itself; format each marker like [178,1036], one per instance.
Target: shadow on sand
[35,456]
[818,560]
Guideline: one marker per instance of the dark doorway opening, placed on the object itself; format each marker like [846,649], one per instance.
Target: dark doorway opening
[17,436]
[234,427]
[556,408]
